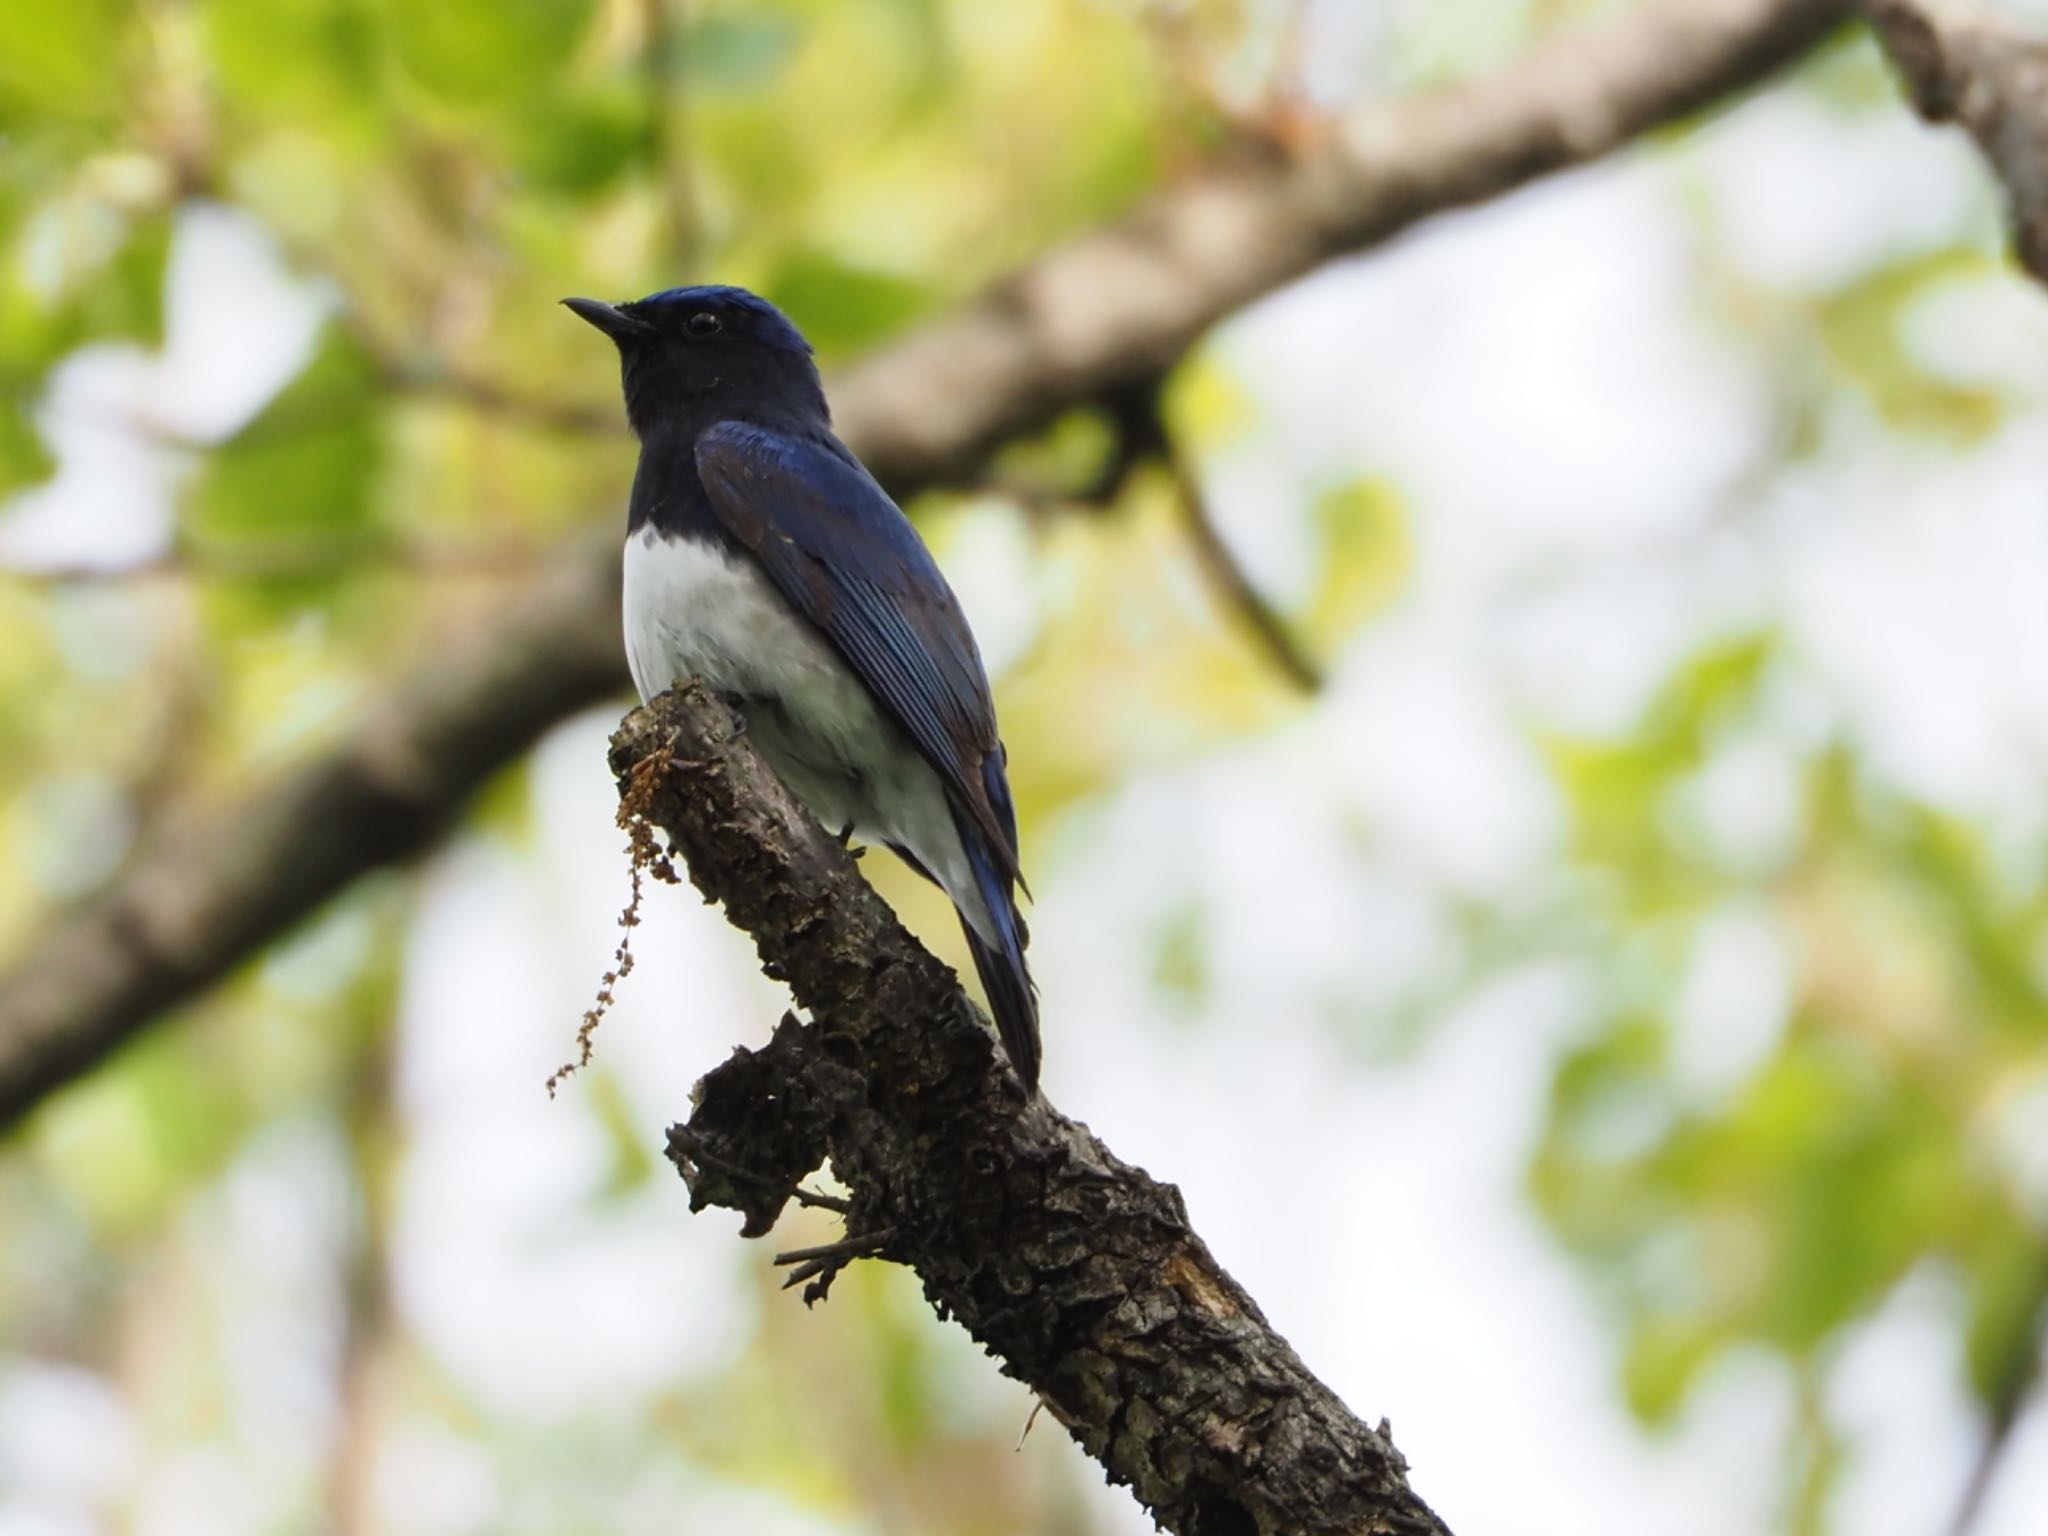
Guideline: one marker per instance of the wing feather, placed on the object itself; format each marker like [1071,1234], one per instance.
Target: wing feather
[846,558]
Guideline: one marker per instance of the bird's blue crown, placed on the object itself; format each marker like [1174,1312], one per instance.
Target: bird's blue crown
[766,323]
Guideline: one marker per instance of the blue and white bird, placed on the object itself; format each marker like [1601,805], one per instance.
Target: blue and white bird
[763,558]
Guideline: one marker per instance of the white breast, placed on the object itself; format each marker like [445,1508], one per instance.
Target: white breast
[693,610]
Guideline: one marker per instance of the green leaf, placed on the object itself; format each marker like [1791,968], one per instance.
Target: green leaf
[586,140]
[120,296]
[308,61]
[1602,1200]
[1618,788]
[114,292]
[470,52]
[1665,1356]
[1849,73]
[2008,1303]
[629,1164]
[126,299]
[61,61]
[24,457]
[843,308]
[503,808]
[735,55]
[1181,969]
[1992,933]
[133,1137]
[1852,1171]
[1207,404]
[1860,327]
[1069,458]
[1366,555]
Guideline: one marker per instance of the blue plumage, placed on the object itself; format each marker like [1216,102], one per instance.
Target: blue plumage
[763,557]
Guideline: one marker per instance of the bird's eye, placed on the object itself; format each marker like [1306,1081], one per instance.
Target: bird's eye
[704,323]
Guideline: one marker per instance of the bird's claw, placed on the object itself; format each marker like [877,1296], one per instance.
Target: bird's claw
[737,703]
[821,1265]
[846,842]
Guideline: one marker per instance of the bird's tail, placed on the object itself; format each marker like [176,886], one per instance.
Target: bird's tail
[1011,996]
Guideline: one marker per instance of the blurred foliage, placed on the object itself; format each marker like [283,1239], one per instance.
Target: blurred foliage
[419,183]
[185,188]
[1780,1203]
[1861,329]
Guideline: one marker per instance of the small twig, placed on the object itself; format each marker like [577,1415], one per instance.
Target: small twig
[369,1119]
[2008,1405]
[821,1265]
[1276,117]
[1288,113]
[1037,1407]
[1142,435]
[1984,1469]
[1235,586]
[845,1248]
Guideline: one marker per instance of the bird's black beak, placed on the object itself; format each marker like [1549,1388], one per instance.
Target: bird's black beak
[609,318]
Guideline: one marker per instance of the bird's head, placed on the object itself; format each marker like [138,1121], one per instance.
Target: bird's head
[686,353]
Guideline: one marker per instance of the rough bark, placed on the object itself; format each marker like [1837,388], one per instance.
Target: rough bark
[1963,64]
[1084,321]
[1080,1273]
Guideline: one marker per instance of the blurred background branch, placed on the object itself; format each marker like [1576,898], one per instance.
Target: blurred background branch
[1964,63]
[1604,1018]
[2010,1372]
[299,560]
[1137,415]
[1087,318]
[212,891]
[667,80]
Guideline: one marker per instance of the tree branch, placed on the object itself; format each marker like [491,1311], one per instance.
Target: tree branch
[268,559]
[1235,589]
[1104,311]
[1962,63]
[211,894]
[2018,1374]
[1144,438]
[1080,1273]
[1122,305]
[431,379]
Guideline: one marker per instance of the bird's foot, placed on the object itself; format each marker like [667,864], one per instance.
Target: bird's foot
[737,703]
[821,1265]
[683,1139]
[846,842]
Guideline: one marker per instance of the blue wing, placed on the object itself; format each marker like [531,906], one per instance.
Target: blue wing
[846,558]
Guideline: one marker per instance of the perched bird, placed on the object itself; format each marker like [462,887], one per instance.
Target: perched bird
[762,557]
